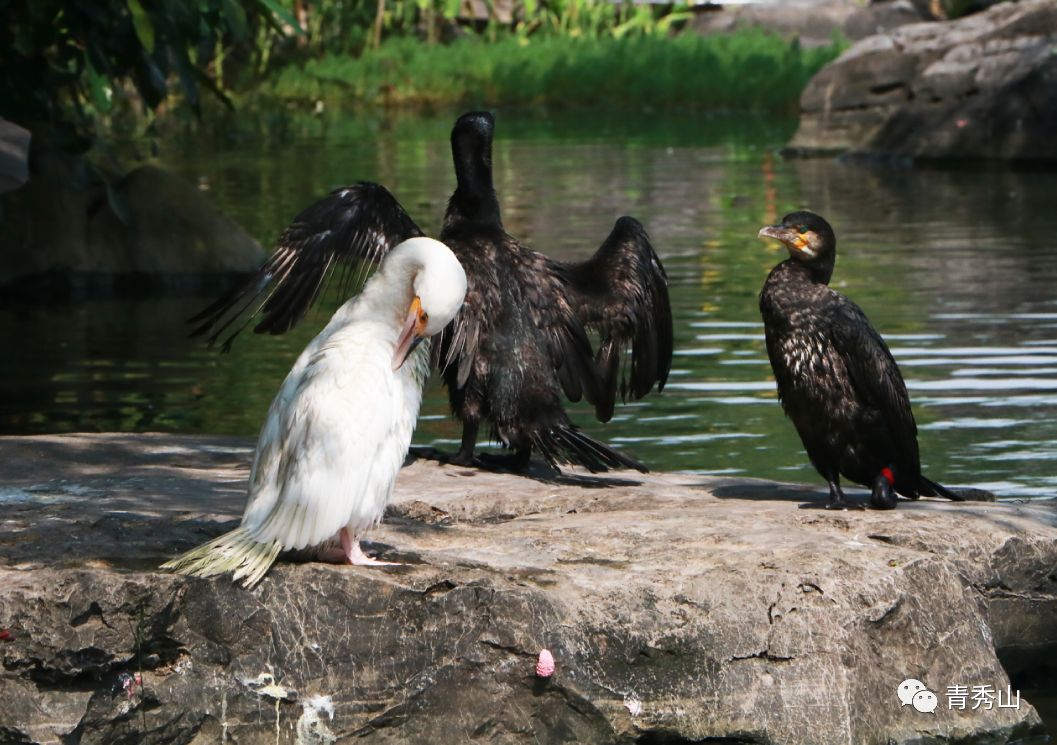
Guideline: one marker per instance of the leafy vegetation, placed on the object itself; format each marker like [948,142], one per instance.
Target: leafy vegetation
[64,62]
[68,63]
[747,69]
[549,52]
[353,26]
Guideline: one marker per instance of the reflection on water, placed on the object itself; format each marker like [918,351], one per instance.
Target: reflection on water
[956,268]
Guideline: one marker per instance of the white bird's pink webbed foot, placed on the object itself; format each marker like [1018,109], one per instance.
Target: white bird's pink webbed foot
[353,554]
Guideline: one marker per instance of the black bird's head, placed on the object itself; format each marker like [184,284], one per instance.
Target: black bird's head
[471,150]
[472,136]
[810,242]
[808,237]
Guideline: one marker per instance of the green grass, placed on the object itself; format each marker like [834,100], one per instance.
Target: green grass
[745,70]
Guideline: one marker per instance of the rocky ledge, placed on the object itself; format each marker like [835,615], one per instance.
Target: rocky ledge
[677,608]
[984,86]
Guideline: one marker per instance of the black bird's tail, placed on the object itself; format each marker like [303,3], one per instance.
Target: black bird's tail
[929,488]
[566,444]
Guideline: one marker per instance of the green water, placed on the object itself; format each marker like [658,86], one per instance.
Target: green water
[955,267]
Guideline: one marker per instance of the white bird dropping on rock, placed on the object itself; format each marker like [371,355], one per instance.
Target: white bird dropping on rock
[633,705]
[545,664]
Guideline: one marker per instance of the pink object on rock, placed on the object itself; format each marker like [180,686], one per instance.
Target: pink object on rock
[545,664]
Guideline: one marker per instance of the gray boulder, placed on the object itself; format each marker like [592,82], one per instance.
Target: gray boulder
[677,608]
[984,86]
[14,155]
[879,17]
[71,219]
[812,22]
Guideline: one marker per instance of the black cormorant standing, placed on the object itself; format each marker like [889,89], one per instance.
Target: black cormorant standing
[520,341]
[836,378]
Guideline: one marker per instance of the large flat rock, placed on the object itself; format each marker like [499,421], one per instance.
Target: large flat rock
[984,86]
[678,609]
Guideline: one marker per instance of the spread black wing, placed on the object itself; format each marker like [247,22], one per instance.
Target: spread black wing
[554,313]
[541,302]
[350,228]
[622,293]
[875,376]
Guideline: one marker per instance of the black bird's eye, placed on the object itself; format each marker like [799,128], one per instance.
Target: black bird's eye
[801,229]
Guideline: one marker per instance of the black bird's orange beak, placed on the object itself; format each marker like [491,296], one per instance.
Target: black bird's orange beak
[411,334]
[794,240]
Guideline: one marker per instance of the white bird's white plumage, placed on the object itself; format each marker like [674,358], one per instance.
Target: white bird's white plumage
[339,429]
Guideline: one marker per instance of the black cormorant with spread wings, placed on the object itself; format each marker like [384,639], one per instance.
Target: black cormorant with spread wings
[836,377]
[520,341]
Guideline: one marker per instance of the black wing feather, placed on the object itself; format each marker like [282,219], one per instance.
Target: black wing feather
[877,379]
[622,293]
[553,312]
[875,375]
[352,227]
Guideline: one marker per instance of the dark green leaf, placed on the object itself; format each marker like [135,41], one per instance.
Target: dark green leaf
[24,41]
[98,89]
[150,81]
[235,17]
[279,12]
[143,25]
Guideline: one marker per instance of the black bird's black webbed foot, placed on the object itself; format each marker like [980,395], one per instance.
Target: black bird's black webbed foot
[837,500]
[516,461]
[883,497]
[428,452]
[842,504]
[458,458]
[464,455]
[463,458]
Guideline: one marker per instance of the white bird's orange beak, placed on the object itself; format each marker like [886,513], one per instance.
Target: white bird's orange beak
[412,333]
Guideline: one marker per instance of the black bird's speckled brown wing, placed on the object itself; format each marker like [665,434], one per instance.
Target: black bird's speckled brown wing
[622,293]
[508,277]
[554,313]
[349,229]
[874,375]
[458,345]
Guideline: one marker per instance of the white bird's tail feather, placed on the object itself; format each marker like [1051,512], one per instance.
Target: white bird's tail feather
[232,552]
